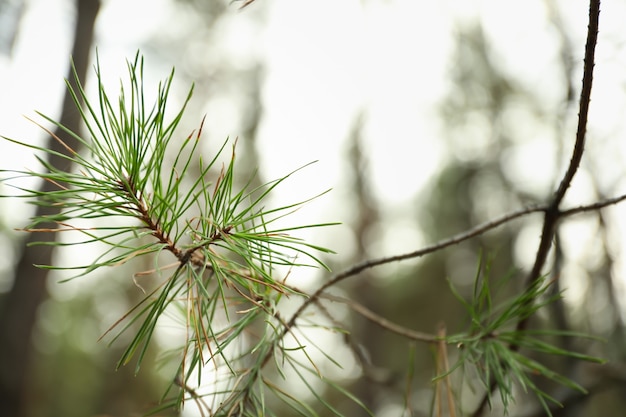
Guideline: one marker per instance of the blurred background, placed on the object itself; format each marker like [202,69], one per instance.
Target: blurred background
[426,118]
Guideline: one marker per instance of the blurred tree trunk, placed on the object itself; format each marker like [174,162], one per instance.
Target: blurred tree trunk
[19,310]
[366,217]
[11,12]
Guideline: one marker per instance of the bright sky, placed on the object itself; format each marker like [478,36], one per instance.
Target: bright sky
[327,61]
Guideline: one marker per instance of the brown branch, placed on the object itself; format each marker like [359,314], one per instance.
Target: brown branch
[245,4]
[443,372]
[474,232]
[552,214]
[360,267]
[469,234]
[383,322]
[593,207]
[585,99]
[454,240]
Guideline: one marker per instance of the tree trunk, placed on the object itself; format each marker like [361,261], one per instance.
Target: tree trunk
[19,310]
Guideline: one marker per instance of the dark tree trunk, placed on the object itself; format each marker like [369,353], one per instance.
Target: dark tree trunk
[19,310]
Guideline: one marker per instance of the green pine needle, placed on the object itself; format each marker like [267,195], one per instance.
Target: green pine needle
[143,190]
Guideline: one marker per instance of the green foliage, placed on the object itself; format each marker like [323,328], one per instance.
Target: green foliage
[491,345]
[146,192]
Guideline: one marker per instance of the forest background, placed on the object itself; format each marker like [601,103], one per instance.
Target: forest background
[426,119]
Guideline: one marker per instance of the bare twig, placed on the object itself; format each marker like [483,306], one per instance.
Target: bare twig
[552,213]
[585,99]
[360,267]
[454,240]
[383,322]
[593,207]
[245,3]
[469,234]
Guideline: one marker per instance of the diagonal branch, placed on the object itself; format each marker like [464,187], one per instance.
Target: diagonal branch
[454,240]
[552,213]
[585,99]
[383,322]
[461,237]
[360,267]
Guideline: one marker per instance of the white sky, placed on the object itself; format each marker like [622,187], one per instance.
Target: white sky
[328,60]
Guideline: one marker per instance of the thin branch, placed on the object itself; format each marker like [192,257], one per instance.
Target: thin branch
[593,207]
[443,372]
[245,4]
[474,232]
[454,240]
[585,99]
[360,267]
[551,210]
[552,214]
[469,234]
[383,322]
